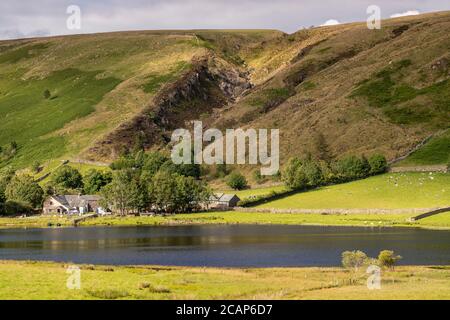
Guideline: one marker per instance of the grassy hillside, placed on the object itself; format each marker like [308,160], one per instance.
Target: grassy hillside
[436,151]
[364,91]
[388,191]
[360,90]
[60,95]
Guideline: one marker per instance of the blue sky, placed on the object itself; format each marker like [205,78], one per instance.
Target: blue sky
[28,18]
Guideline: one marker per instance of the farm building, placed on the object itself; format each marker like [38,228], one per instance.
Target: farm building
[72,204]
[223,201]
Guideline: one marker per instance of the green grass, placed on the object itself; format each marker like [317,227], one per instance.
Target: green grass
[269,96]
[388,191]
[435,152]
[17,54]
[385,90]
[156,81]
[28,118]
[45,281]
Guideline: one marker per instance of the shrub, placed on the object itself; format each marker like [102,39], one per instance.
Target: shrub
[236,181]
[351,168]
[378,164]
[388,259]
[353,259]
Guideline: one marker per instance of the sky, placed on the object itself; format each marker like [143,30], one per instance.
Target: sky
[30,18]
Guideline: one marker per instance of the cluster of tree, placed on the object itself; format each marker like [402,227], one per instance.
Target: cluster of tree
[356,259]
[19,193]
[68,180]
[152,182]
[308,173]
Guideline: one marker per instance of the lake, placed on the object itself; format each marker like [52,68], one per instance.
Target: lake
[222,245]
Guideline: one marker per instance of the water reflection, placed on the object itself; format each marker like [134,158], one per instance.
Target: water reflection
[245,245]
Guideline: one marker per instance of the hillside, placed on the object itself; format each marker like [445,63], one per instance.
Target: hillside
[344,89]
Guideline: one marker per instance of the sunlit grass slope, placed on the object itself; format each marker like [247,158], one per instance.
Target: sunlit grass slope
[388,191]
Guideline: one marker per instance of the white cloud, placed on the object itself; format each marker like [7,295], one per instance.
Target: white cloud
[404,14]
[331,22]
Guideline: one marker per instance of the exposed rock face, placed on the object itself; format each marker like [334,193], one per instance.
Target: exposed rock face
[210,84]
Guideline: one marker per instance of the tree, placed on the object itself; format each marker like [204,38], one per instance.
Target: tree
[190,194]
[174,193]
[123,194]
[67,178]
[23,189]
[351,168]
[293,176]
[378,164]
[312,173]
[95,180]
[236,181]
[388,258]
[162,191]
[5,177]
[154,161]
[353,259]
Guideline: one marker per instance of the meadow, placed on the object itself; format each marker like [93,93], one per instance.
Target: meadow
[43,281]
[387,191]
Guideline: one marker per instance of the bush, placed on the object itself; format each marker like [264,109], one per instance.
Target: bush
[300,174]
[378,164]
[351,168]
[236,181]
[388,259]
[353,259]
[23,189]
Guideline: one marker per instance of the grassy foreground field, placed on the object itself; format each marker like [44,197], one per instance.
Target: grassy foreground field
[41,280]
[441,221]
[388,191]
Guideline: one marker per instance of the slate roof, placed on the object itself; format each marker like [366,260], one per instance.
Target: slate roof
[72,201]
[222,197]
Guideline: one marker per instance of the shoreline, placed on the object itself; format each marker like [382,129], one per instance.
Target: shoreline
[438,223]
